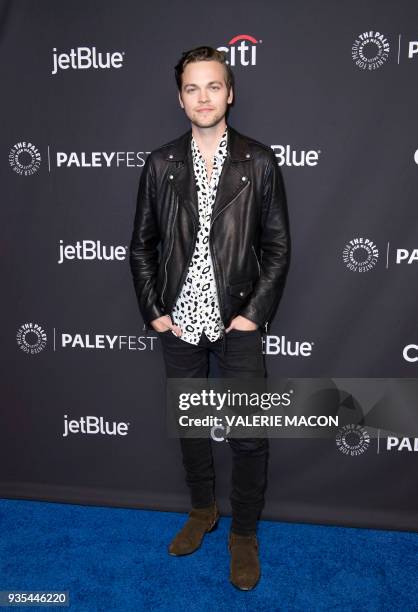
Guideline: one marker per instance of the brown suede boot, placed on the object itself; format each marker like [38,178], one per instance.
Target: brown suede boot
[189,538]
[245,566]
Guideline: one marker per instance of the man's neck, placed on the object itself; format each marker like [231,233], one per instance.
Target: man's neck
[207,139]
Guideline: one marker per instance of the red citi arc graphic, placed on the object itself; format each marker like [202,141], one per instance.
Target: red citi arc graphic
[243,37]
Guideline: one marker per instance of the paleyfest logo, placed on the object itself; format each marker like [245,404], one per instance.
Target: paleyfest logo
[370,50]
[360,254]
[25,158]
[31,338]
[241,50]
[352,440]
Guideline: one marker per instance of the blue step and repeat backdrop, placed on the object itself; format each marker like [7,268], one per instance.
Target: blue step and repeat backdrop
[88,91]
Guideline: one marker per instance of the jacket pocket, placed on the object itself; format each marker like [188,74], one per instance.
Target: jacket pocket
[241,290]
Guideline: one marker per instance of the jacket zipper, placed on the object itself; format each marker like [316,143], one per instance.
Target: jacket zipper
[259,268]
[169,255]
[220,300]
[259,273]
[186,267]
[219,293]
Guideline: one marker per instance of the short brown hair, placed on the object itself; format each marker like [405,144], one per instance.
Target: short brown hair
[200,54]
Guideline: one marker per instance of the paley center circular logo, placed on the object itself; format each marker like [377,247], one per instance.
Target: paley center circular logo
[24,158]
[352,440]
[360,254]
[31,338]
[370,50]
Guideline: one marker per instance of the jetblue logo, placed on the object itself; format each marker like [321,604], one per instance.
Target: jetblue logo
[84,58]
[280,345]
[286,156]
[94,425]
[89,250]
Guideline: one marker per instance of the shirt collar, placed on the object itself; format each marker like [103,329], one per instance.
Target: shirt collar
[221,149]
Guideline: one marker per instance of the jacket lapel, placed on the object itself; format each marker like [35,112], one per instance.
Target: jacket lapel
[229,186]
[231,181]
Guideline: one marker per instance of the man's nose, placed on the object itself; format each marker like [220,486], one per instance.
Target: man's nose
[203,97]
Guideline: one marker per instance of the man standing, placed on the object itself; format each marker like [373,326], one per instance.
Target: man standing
[209,257]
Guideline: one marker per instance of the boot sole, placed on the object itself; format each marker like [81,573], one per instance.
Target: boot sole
[245,588]
[211,528]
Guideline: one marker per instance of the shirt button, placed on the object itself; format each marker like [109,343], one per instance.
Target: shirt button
[248,155]
[241,293]
[170,156]
[244,178]
[171,176]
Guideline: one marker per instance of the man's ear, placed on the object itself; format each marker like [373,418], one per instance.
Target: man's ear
[180,100]
[231,96]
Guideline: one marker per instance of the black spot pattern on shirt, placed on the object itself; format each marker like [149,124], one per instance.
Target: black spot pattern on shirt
[197,307]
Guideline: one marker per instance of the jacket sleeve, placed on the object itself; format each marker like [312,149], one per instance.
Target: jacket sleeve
[143,251]
[274,245]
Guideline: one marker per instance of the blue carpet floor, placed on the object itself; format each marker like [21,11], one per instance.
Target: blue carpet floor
[116,559]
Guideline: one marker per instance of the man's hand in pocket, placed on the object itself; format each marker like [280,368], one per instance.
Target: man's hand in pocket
[241,324]
[163,323]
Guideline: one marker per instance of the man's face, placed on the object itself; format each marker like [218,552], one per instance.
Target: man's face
[204,95]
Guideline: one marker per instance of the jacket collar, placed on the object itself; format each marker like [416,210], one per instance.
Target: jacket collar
[238,149]
[233,179]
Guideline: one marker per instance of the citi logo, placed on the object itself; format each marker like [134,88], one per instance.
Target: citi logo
[90,250]
[92,425]
[289,157]
[83,58]
[279,345]
[241,50]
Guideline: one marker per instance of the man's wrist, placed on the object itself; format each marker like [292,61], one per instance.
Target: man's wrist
[247,319]
[250,318]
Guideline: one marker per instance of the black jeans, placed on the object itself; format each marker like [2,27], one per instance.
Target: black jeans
[239,354]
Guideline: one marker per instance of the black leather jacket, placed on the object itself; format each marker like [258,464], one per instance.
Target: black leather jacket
[249,237]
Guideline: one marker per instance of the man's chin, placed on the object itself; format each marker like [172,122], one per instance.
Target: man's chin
[207,123]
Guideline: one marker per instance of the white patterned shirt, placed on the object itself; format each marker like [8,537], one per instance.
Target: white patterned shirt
[197,307]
